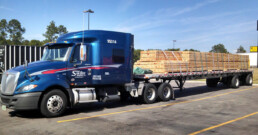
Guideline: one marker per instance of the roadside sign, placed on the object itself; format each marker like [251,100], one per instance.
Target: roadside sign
[253,49]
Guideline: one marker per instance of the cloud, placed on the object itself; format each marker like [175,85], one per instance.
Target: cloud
[228,35]
[125,4]
[158,18]
[195,7]
[6,8]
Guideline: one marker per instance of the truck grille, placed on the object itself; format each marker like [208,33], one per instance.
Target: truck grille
[9,82]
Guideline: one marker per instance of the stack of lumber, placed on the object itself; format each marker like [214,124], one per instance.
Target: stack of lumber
[182,61]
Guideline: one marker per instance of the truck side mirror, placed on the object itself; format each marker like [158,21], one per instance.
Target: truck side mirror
[44,49]
[83,52]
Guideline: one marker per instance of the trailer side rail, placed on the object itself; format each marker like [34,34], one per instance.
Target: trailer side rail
[185,74]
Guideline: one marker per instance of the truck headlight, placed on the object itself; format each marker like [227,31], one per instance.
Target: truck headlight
[28,87]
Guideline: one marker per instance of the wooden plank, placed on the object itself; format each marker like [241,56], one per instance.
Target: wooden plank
[168,61]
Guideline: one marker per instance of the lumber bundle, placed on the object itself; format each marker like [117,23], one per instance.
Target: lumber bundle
[182,61]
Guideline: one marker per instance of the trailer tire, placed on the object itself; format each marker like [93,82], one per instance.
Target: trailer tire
[53,103]
[165,92]
[150,93]
[212,82]
[249,80]
[235,82]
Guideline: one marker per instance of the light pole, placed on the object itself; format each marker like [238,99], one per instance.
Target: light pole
[174,44]
[88,11]
[257,45]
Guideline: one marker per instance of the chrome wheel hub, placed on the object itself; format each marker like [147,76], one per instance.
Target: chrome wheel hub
[151,94]
[251,80]
[54,104]
[237,82]
[166,92]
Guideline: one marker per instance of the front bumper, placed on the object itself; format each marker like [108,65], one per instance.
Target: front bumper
[26,101]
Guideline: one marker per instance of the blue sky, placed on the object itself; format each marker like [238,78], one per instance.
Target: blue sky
[197,24]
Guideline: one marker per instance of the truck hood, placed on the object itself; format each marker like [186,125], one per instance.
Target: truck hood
[40,66]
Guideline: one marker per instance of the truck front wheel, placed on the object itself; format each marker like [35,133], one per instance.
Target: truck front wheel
[53,103]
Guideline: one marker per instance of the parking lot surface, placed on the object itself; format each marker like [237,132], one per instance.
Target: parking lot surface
[196,110]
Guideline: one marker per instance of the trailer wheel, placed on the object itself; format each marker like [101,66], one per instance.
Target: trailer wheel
[235,83]
[212,82]
[53,103]
[149,94]
[165,92]
[249,80]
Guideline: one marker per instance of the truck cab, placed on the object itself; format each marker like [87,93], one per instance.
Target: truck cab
[80,67]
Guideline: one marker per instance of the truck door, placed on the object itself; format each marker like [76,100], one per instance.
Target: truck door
[77,71]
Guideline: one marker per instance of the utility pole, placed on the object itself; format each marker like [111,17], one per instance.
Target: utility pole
[88,11]
[257,45]
[174,44]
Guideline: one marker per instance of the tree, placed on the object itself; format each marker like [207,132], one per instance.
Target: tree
[173,49]
[61,30]
[15,30]
[192,50]
[136,54]
[3,32]
[219,48]
[241,49]
[36,42]
[25,42]
[53,32]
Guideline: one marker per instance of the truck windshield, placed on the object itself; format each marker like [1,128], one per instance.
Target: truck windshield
[55,53]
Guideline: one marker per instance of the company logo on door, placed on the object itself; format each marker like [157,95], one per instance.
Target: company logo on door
[78,74]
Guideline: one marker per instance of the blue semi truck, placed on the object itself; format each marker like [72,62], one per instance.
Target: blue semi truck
[94,66]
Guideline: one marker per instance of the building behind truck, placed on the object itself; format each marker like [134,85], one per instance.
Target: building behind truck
[15,55]
[99,69]
[253,58]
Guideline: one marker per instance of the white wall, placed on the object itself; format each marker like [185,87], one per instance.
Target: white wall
[252,57]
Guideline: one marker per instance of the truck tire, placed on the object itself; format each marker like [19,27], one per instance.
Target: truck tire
[212,82]
[249,80]
[235,83]
[150,93]
[165,92]
[53,103]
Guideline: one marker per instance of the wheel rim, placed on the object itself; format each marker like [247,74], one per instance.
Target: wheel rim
[55,104]
[166,92]
[151,93]
[237,82]
[251,80]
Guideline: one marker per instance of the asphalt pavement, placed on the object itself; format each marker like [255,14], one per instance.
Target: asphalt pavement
[196,110]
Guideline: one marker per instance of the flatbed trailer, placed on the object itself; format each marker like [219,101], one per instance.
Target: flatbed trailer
[231,78]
